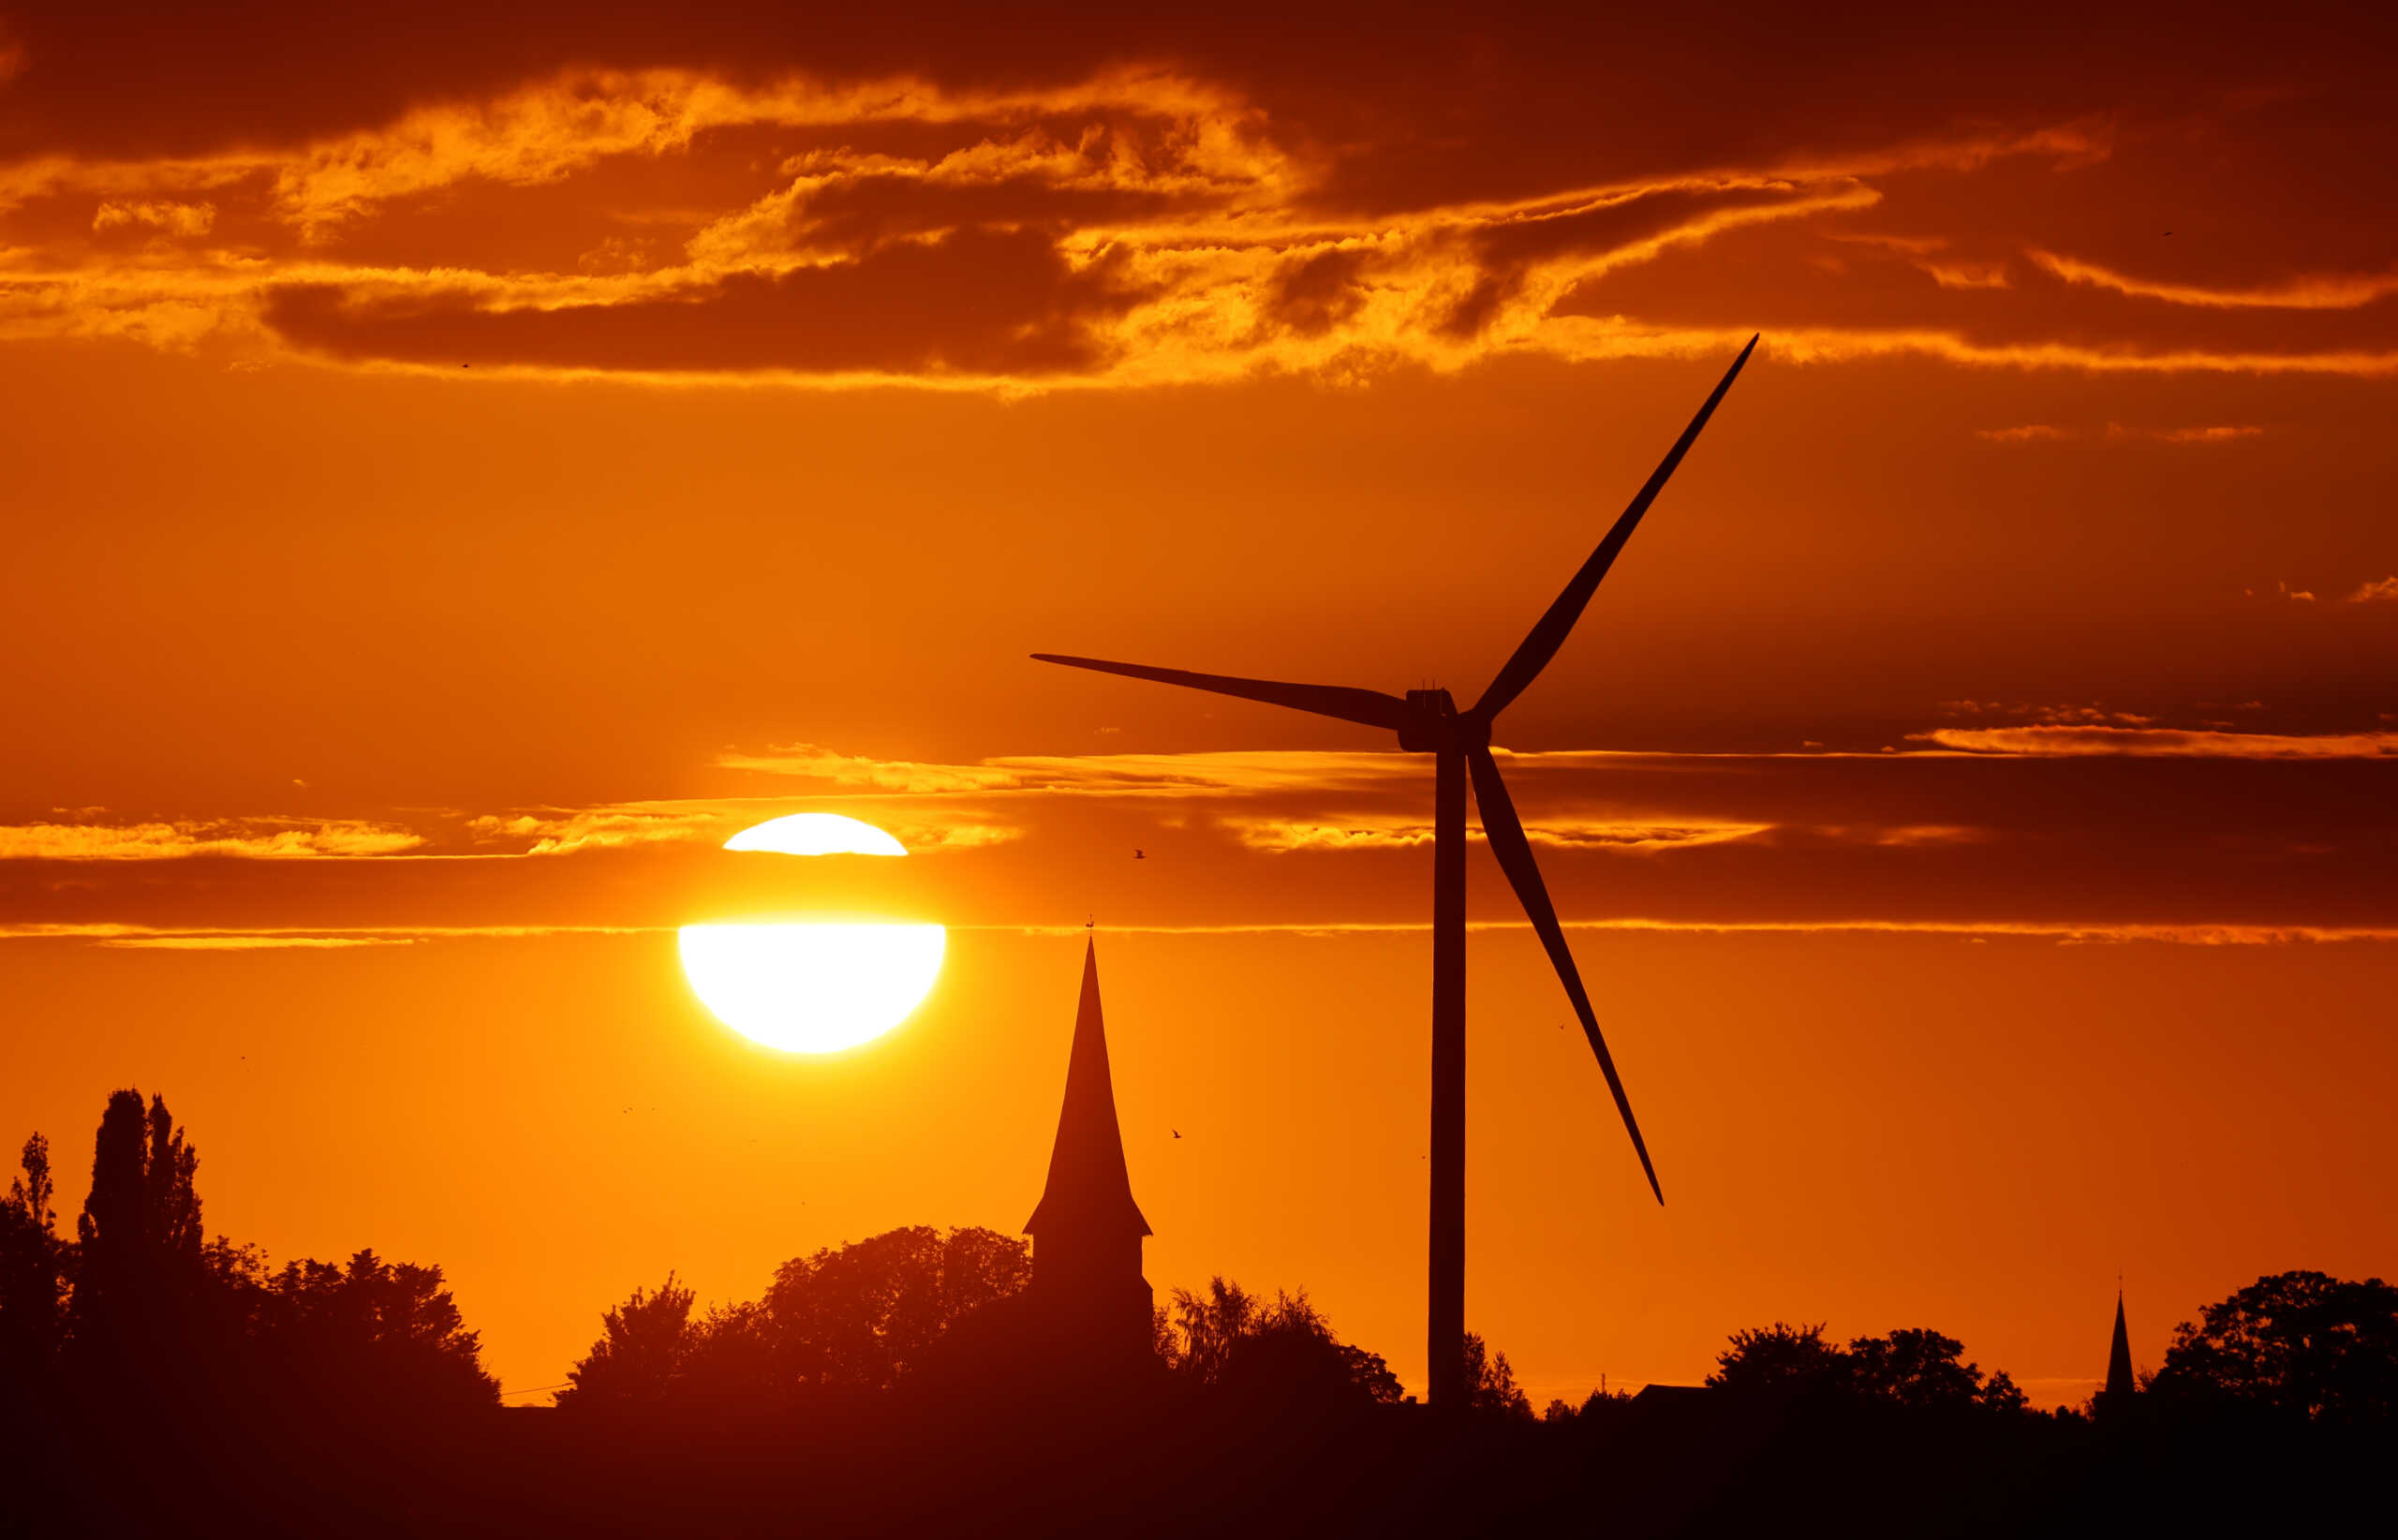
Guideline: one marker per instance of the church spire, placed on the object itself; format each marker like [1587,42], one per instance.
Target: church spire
[2119,1384]
[1089,1193]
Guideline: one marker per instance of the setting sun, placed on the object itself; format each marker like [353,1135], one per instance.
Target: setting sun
[812,986]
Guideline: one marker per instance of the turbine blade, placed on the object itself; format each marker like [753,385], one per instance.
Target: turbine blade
[1505,832]
[1537,648]
[1370,707]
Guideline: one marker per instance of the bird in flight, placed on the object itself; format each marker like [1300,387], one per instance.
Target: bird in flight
[1176,1132]
[1139,856]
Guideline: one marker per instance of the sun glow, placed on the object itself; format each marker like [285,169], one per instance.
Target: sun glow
[813,987]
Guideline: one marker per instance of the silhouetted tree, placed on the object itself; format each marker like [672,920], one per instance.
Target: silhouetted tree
[729,1358]
[1597,1402]
[1915,1368]
[642,1345]
[383,1337]
[1490,1383]
[1781,1358]
[1281,1351]
[860,1316]
[1290,1351]
[981,1268]
[141,1275]
[32,1269]
[865,1315]
[1205,1326]
[2299,1344]
[2001,1394]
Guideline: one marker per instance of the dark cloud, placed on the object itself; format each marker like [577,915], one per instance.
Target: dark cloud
[1314,294]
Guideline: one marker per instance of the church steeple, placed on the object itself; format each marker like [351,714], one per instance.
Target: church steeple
[2119,1384]
[1092,1305]
[1089,1191]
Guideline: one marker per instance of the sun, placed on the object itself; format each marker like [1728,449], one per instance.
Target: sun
[813,988]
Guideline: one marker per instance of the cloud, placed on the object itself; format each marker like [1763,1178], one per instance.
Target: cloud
[710,821]
[2225,434]
[2378,591]
[1137,226]
[806,762]
[2051,741]
[170,218]
[251,838]
[2328,291]
[559,832]
[1967,274]
[1969,830]
[252,944]
[197,939]
[2066,932]
[2095,714]
[1368,832]
[2045,433]
[1210,774]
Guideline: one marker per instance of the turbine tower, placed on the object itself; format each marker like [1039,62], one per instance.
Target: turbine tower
[1429,722]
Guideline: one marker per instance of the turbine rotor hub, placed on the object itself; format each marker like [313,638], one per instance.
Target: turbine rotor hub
[1434,725]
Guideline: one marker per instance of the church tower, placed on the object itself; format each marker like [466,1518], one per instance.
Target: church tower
[1086,1231]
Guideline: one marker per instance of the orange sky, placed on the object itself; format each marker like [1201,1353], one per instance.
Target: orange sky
[457,472]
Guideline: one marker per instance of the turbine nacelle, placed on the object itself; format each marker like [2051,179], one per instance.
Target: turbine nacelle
[1434,725]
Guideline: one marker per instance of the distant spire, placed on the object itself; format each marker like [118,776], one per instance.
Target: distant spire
[1088,1189]
[2118,1358]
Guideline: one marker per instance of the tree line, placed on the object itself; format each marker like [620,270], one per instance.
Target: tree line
[138,1301]
[141,1306]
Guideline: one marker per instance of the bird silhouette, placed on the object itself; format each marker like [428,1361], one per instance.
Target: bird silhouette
[1138,856]
[1176,1132]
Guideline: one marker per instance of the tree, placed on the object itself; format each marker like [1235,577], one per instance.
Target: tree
[1283,1352]
[861,1316]
[729,1358]
[1598,1403]
[1916,1366]
[1290,1352]
[867,1314]
[1490,1383]
[2001,1394]
[1780,1357]
[141,1276]
[2298,1345]
[1205,1328]
[981,1268]
[384,1335]
[33,1274]
[641,1352]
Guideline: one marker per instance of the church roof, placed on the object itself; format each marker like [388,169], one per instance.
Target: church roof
[2119,1357]
[1088,1187]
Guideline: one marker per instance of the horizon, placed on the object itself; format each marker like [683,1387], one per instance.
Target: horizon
[463,473]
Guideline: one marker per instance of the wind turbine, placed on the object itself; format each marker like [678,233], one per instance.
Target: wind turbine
[1429,722]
